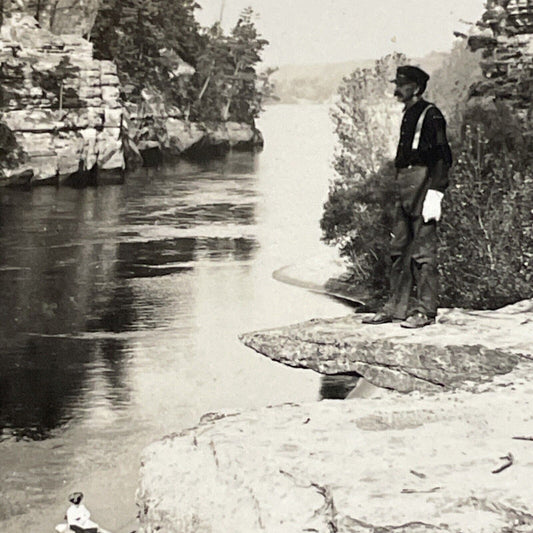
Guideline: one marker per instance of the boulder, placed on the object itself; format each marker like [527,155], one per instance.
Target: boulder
[45,165]
[69,149]
[389,464]
[463,347]
[184,135]
[89,154]
[110,150]
[218,136]
[240,134]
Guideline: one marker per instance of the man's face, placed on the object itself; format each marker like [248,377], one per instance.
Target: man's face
[405,91]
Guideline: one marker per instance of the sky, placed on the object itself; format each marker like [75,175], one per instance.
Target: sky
[333,31]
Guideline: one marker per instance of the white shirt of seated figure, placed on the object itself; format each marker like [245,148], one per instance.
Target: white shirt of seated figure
[79,515]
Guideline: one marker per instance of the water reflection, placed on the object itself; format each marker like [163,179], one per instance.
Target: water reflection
[73,264]
[122,307]
[155,258]
[43,381]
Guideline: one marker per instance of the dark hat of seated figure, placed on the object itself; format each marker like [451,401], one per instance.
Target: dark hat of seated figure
[410,74]
[75,497]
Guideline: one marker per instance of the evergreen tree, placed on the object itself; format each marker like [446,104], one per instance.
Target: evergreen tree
[230,87]
[137,35]
[147,39]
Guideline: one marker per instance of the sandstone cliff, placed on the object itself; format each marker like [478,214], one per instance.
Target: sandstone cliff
[62,114]
[505,34]
[62,105]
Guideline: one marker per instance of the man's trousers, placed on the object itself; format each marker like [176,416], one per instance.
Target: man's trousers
[413,250]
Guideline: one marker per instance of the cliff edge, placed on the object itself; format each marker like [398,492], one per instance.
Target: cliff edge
[452,455]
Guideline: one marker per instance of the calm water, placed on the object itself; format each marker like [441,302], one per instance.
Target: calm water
[121,307]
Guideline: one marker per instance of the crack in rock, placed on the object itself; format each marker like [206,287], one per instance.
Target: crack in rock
[354,525]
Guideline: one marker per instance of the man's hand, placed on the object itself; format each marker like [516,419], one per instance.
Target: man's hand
[431,208]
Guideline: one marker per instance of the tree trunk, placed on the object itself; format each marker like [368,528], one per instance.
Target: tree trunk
[204,87]
[53,12]
[38,10]
[225,110]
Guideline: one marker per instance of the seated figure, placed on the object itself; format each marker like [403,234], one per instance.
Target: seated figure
[78,516]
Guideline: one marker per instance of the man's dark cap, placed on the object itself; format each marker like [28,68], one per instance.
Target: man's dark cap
[409,73]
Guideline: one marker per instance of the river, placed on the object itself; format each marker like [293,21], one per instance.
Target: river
[121,307]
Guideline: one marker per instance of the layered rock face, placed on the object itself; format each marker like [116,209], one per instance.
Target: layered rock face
[61,104]
[63,117]
[506,37]
[154,126]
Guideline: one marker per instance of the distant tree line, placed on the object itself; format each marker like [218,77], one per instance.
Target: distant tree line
[149,40]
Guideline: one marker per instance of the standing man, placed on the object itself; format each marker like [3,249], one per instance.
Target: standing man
[422,163]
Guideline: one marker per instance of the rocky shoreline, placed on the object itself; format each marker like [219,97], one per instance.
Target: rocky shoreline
[443,442]
[63,119]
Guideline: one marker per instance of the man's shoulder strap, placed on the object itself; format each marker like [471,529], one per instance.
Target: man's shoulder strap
[419,124]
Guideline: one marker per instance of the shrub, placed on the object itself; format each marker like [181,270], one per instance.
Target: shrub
[357,218]
[486,234]
[486,238]
[366,119]
[449,86]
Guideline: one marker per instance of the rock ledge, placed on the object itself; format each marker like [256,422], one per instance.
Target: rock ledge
[393,463]
[461,348]
[454,455]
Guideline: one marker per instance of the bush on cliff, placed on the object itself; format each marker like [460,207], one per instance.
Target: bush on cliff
[486,235]
[356,216]
[139,35]
[229,88]
[357,219]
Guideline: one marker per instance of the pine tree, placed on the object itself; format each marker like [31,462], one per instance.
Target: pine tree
[229,86]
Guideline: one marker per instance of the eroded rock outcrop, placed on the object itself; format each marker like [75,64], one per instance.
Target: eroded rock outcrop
[464,347]
[155,127]
[392,463]
[506,37]
[64,109]
[62,106]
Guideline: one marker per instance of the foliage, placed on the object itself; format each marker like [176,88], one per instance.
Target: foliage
[486,234]
[486,252]
[366,120]
[138,36]
[229,86]
[450,85]
[356,217]
[55,82]
[7,7]
[148,39]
